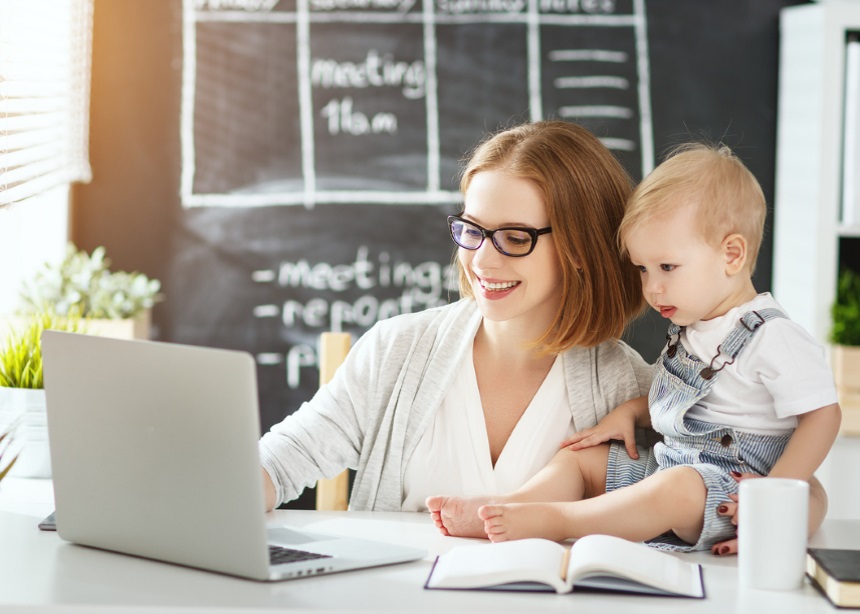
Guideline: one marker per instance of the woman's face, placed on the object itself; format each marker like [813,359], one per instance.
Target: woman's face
[511,289]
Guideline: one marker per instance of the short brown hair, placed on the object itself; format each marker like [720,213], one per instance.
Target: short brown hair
[728,198]
[585,189]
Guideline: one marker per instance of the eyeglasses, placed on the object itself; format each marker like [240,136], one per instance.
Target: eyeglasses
[511,241]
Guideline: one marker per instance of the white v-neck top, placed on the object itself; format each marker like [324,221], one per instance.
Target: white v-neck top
[453,454]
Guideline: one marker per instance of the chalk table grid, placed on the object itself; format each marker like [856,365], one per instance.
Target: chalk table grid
[364,102]
[44,573]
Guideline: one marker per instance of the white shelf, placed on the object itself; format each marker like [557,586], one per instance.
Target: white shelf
[852,232]
[809,160]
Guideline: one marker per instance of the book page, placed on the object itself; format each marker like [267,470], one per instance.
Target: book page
[602,555]
[483,565]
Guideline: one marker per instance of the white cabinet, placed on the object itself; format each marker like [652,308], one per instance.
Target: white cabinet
[809,159]
[808,194]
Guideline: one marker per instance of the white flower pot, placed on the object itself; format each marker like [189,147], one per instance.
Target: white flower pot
[30,440]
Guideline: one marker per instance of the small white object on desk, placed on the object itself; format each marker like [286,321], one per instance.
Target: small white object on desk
[772,533]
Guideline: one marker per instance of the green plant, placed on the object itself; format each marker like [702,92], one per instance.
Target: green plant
[21,351]
[84,283]
[846,310]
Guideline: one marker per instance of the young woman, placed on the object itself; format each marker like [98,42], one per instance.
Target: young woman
[475,397]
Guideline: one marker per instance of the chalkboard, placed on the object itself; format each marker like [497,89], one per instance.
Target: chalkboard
[375,101]
[285,167]
[271,284]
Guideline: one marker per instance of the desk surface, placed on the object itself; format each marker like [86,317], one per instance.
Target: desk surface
[40,570]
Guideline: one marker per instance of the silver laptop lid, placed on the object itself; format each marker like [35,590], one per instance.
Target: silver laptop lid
[153,450]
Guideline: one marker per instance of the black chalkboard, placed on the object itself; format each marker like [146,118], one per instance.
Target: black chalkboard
[376,102]
[285,167]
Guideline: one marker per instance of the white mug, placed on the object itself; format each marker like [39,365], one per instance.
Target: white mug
[772,533]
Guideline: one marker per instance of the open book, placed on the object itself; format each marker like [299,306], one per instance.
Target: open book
[595,562]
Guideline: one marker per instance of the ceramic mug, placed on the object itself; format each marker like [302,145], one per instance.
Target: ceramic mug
[772,533]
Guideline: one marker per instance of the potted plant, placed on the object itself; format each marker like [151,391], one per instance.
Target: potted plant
[22,394]
[115,303]
[845,336]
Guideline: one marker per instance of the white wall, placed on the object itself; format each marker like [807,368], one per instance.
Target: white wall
[31,232]
[838,474]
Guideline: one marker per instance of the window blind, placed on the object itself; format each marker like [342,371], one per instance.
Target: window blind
[45,48]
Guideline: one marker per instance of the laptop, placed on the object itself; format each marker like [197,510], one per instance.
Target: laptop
[154,454]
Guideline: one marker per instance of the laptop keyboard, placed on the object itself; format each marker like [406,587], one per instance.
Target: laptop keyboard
[279,555]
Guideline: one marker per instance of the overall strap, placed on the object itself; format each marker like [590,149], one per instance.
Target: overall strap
[737,339]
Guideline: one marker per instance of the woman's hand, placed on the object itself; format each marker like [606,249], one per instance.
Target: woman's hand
[817,511]
[730,510]
[269,494]
[619,424]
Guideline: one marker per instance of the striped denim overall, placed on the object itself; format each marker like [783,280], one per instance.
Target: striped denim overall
[680,381]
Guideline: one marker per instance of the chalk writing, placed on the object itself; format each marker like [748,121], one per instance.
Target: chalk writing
[459,7]
[342,118]
[421,285]
[362,273]
[375,71]
[235,5]
[604,7]
[402,6]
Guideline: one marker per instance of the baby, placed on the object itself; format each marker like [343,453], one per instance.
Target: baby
[739,387]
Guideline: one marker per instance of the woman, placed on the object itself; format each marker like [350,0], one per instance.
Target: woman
[475,397]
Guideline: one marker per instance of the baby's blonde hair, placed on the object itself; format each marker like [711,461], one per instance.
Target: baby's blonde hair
[727,197]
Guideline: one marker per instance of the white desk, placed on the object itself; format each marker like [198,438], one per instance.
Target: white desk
[39,570]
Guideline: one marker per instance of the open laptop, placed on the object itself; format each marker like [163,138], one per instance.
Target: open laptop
[154,453]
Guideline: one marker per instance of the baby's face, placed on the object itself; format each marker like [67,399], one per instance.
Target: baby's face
[684,276]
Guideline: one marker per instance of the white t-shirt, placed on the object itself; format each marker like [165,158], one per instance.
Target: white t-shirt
[781,373]
[453,455]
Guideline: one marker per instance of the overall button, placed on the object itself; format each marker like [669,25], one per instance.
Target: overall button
[726,441]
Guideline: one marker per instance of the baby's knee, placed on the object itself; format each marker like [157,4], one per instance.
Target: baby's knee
[591,463]
[680,482]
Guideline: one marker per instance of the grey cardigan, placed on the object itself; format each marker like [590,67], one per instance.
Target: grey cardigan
[379,403]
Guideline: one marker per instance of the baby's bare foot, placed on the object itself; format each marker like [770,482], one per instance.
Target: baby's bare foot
[521,520]
[457,516]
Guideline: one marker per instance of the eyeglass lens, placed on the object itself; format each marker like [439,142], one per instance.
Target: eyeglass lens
[509,241]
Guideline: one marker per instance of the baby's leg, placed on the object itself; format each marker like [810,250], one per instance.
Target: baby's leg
[570,476]
[673,499]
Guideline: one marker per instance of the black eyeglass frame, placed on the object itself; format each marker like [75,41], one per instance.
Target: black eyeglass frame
[534,233]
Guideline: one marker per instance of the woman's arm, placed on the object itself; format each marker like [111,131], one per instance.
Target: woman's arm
[269,495]
[323,437]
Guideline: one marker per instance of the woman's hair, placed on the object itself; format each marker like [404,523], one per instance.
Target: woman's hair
[728,198]
[585,190]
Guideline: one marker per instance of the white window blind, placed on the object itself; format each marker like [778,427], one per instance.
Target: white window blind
[45,48]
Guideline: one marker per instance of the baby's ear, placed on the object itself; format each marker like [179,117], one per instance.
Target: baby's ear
[734,249]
